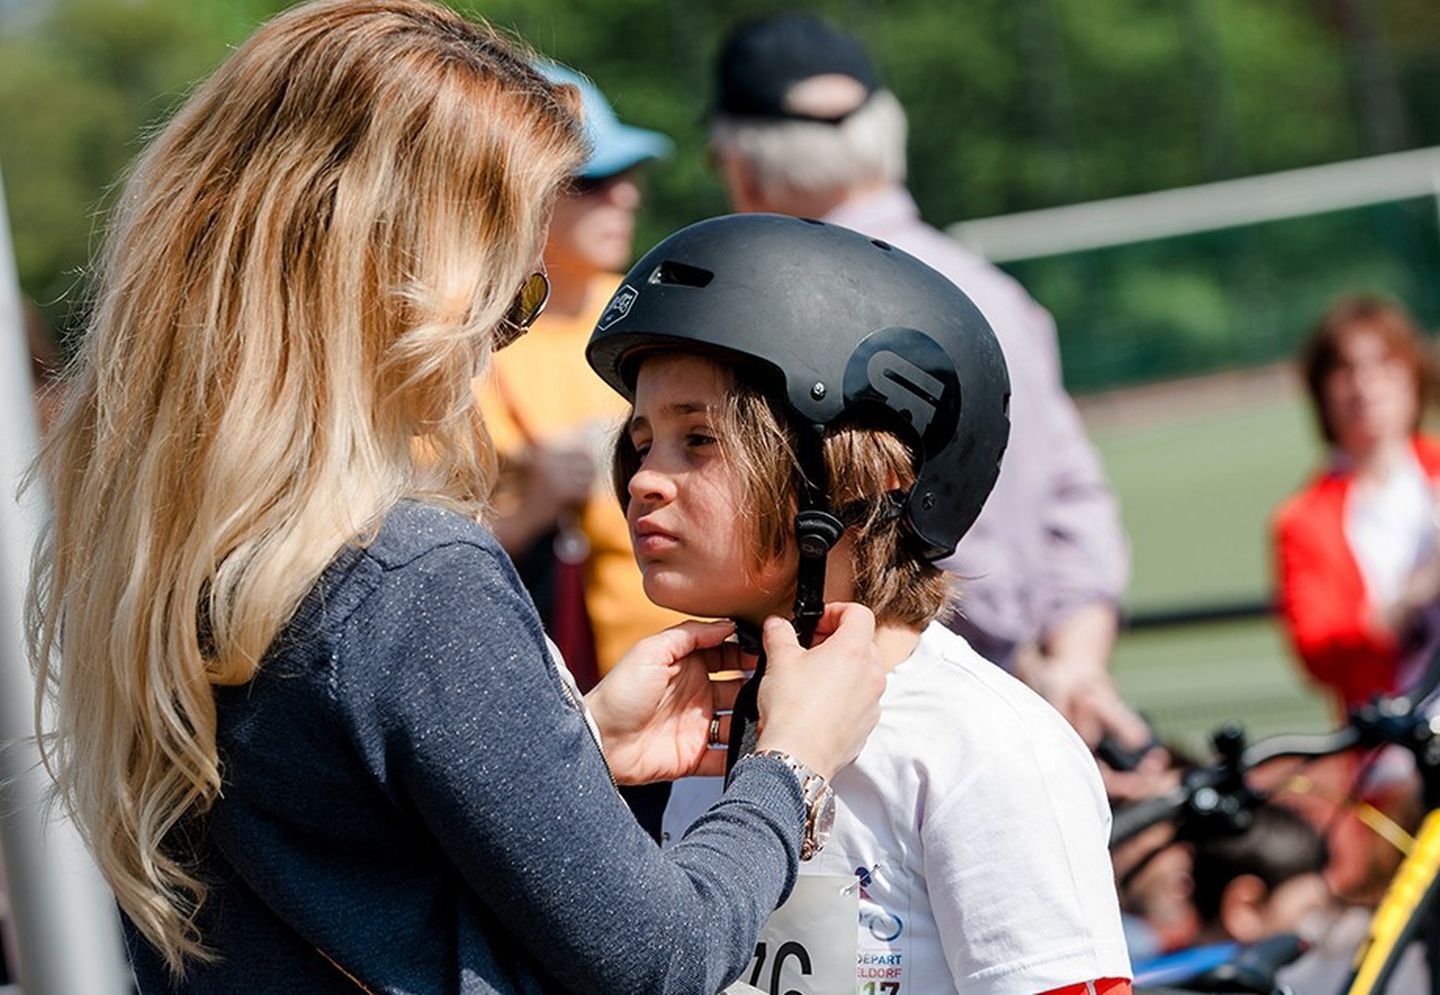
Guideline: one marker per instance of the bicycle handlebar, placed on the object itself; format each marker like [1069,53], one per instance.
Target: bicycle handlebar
[1134,819]
[1218,790]
[1308,746]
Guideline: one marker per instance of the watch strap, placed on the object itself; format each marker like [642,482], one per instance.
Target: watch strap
[815,793]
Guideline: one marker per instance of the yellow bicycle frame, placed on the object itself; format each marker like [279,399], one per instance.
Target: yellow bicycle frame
[1392,923]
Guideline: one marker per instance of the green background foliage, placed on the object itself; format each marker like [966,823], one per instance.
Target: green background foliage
[1014,105]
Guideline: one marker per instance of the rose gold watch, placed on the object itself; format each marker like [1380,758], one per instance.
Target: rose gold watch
[819,802]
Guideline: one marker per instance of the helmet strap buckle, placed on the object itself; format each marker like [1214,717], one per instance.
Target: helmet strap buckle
[816,532]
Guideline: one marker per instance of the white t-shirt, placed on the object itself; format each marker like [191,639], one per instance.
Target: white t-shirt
[977,825]
[1391,529]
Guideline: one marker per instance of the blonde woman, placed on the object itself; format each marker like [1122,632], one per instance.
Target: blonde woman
[307,720]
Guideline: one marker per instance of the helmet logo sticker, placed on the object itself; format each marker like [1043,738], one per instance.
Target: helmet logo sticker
[905,387]
[618,307]
[908,374]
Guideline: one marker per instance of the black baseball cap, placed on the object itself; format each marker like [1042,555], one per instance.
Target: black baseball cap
[762,60]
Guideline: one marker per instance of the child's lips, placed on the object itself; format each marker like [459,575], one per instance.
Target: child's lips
[651,539]
[654,545]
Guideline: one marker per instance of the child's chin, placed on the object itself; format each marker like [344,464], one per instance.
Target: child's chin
[685,600]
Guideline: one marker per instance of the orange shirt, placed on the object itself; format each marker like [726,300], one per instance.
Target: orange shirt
[541,388]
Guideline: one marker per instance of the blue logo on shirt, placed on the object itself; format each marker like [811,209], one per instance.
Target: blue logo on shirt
[884,926]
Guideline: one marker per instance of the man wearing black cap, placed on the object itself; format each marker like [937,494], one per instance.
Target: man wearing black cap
[801,125]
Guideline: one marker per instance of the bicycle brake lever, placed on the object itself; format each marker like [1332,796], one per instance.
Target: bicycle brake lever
[1119,757]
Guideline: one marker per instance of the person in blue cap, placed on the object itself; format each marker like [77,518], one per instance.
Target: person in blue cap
[548,415]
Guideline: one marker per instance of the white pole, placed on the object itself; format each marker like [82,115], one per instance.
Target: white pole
[1249,200]
[1435,189]
[64,917]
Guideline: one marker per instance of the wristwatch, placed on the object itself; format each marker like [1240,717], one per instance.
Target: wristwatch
[819,802]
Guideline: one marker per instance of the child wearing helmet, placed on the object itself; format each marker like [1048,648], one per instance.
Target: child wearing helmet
[819,417]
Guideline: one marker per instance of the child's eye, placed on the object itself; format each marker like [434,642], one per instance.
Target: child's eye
[699,439]
[641,449]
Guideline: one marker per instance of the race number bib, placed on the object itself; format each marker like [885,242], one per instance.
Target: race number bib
[808,946]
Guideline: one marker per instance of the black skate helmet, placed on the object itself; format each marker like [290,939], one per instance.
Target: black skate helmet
[848,326]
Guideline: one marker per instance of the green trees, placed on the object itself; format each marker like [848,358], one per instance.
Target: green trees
[1014,104]
[81,83]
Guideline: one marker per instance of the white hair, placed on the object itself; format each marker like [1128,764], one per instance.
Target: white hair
[813,157]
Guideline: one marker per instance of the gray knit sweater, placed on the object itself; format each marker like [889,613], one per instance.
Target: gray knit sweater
[410,795]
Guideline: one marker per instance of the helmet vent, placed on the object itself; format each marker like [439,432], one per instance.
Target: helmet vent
[676,274]
[880,245]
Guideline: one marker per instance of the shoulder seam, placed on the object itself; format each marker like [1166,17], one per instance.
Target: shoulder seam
[336,634]
[422,553]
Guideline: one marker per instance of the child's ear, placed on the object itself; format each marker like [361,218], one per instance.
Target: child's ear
[1242,908]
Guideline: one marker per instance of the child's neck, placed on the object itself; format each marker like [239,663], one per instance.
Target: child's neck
[896,642]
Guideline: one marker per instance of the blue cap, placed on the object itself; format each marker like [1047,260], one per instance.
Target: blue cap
[614,146]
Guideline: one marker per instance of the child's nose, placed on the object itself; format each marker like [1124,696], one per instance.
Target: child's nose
[650,487]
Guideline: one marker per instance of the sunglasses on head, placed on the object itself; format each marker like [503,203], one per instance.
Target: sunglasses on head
[530,301]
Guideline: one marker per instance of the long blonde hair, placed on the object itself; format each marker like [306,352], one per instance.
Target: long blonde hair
[303,273]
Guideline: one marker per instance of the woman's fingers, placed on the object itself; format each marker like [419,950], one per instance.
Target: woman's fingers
[820,704]
[679,641]
[850,621]
[695,635]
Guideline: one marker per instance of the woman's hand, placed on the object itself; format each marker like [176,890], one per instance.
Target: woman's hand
[819,705]
[654,707]
[540,486]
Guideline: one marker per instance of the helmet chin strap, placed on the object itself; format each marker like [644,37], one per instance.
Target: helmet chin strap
[816,533]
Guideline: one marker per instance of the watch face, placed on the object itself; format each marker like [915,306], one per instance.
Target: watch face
[824,819]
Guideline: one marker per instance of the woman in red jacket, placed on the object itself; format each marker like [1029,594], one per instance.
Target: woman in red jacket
[1359,571]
